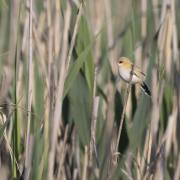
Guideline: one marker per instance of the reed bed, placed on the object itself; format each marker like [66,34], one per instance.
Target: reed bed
[64,111]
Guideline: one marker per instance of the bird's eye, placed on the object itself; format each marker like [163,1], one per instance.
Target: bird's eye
[120,62]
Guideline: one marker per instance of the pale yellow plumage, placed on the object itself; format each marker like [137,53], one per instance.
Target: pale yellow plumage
[126,67]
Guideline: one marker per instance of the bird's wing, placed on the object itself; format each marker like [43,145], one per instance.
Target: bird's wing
[138,73]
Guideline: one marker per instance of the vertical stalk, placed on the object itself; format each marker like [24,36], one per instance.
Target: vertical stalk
[123,113]
[29,96]
[93,122]
[57,119]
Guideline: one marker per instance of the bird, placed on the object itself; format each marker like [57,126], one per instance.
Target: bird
[130,73]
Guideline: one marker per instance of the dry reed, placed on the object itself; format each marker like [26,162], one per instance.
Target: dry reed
[67,114]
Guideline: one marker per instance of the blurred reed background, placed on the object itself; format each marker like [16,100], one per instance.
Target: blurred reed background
[61,98]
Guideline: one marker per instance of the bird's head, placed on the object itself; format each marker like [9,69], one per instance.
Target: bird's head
[124,62]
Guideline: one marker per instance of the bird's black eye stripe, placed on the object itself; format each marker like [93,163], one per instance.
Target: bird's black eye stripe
[120,62]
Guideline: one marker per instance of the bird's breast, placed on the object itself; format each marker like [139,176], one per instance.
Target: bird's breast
[125,75]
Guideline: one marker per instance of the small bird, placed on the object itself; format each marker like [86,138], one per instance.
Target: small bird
[126,67]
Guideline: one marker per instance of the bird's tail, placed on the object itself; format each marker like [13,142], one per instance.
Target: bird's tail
[145,88]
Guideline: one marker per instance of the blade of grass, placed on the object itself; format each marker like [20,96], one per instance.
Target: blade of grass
[29,95]
[74,70]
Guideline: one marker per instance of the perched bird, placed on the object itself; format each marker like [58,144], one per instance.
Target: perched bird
[126,69]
